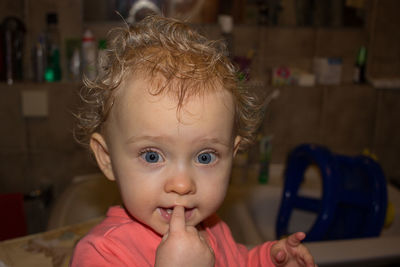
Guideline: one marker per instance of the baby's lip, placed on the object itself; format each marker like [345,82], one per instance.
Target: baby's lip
[173,206]
[166,212]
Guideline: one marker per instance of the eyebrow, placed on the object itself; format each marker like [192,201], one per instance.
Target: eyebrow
[214,141]
[135,139]
[211,140]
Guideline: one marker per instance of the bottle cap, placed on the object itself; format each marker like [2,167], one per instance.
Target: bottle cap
[51,18]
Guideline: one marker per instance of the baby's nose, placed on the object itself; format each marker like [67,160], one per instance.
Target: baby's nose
[181,184]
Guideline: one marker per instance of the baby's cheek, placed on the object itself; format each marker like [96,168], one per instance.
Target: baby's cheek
[215,198]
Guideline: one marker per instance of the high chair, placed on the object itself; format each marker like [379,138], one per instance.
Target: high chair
[87,197]
[354,195]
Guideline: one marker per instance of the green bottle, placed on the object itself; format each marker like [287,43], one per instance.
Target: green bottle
[53,69]
[360,66]
[265,158]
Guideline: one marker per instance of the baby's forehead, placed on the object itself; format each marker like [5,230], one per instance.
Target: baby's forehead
[172,96]
[179,89]
[137,105]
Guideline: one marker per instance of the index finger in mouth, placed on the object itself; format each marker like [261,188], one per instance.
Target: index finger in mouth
[177,222]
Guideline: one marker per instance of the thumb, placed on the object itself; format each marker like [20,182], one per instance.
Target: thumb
[279,257]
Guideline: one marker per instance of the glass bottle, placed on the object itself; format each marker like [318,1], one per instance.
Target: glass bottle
[53,68]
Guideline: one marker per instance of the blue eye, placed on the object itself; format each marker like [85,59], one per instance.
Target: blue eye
[206,158]
[151,156]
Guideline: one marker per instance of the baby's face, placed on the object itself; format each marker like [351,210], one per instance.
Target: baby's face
[161,158]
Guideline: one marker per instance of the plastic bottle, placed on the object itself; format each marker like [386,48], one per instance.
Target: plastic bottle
[39,59]
[360,66]
[89,55]
[13,31]
[75,65]
[53,67]
[226,26]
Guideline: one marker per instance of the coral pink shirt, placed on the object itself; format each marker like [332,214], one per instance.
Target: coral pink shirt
[120,240]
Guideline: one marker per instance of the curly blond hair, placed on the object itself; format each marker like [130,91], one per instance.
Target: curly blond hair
[189,63]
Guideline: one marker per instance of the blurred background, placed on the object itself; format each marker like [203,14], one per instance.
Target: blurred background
[330,68]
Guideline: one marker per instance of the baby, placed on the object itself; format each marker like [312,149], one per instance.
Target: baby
[165,120]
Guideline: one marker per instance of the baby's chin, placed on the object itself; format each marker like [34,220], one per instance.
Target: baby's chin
[159,230]
[164,229]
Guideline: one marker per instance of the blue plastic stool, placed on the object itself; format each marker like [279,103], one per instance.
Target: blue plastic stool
[354,195]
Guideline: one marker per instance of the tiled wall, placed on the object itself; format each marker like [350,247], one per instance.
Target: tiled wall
[347,119]
[384,50]
[37,152]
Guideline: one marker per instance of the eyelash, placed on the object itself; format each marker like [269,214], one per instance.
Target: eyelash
[149,149]
[211,151]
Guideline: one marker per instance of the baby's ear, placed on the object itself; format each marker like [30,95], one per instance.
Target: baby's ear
[100,150]
[236,144]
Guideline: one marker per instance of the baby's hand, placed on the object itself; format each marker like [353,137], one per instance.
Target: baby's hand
[183,245]
[289,252]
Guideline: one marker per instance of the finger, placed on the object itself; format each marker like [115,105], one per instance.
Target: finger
[280,257]
[165,237]
[307,257]
[177,222]
[309,260]
[278,253]
[295,239]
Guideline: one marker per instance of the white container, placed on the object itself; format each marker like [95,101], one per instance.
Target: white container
[328,71]
[89,55]
[75,66]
